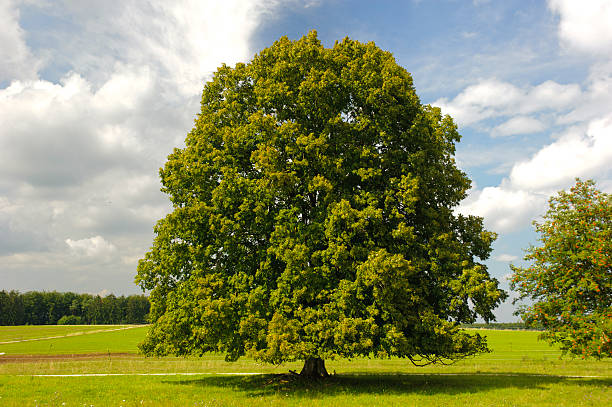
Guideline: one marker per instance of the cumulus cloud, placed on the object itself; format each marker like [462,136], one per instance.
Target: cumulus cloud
[492,98]
[91,247]
[595,102]
[585,25]
[518,125]
[65,133]
[577,153]
[581,151]
[584,152]
[504,209]
[182,41]
[581,145]
[17,60]
[88,117]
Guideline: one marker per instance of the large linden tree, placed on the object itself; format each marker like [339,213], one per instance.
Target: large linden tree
[313,218]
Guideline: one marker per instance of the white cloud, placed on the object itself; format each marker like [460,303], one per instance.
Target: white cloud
[17,60]
[63,134]
[584,152]
[518,125]
[548,95]
[504,257]
[576,154]
[504,209]
[82,137]
[479,102]
[91,247]
[595,102]
[585,25]
[125,90]
[182,41]
[578,117]
[189,39]
[497,158]
[493,98]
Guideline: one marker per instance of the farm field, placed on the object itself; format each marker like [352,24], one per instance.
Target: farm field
[70,339]
[521,371]
[28,332]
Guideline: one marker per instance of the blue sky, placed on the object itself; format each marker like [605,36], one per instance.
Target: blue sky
[94,96]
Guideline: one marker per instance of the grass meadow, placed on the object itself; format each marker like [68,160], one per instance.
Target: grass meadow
[99,366]
[22,333]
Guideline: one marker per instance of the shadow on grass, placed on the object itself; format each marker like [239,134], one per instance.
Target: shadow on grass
[388,384]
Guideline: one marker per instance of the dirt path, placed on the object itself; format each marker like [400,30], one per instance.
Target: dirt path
[72,334]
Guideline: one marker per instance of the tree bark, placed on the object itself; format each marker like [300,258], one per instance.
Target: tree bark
[314,368]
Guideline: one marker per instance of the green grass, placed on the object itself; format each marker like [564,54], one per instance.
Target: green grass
[340,390]
[520,371]
[110,341]
[24,332]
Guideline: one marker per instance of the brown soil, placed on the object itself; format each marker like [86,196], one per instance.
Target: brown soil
[65,357]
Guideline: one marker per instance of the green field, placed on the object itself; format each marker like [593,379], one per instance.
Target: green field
[72,339]
[20,333]
[521,371]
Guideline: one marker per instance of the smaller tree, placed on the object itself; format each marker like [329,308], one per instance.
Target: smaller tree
[570,279]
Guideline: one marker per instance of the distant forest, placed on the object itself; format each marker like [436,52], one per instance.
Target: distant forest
[51,308]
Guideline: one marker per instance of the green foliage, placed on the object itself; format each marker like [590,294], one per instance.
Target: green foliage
[48,308]
[313,217]
[70,320]
[570,279]
[12,311]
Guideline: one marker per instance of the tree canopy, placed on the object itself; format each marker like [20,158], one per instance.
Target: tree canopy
[569,282]
[313,217]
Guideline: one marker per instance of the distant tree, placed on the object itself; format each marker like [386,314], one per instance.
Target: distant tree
[76,306]
[36,308]
[69,320]
[137,309]
[111,310]
[56,305]
[314,218]
[570,279]
[12,310]
[92,310]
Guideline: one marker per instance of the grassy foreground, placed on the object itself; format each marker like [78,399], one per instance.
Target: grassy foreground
[520,371]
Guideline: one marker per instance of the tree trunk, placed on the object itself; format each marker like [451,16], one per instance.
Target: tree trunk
[314,368]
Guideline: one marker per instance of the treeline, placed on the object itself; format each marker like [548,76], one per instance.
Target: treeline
[50,308]
[503,325]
